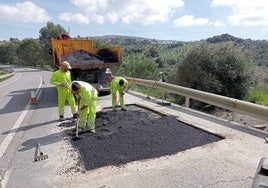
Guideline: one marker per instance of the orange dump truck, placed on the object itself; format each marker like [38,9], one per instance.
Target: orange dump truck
[88,64]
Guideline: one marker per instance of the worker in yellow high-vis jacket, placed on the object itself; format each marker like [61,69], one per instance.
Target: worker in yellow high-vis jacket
[88,96]
[62,80]
[118,84]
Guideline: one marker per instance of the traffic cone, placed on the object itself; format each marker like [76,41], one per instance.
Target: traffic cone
[33,98]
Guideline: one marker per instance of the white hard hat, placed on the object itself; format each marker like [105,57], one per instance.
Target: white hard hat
[65,63]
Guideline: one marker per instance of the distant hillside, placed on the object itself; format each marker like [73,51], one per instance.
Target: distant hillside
[258,48]
[171,50]
[104,37]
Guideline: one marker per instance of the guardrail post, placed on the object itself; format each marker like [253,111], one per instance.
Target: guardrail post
[233,105]
[187,102]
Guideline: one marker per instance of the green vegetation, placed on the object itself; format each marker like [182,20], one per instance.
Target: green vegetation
[217,68]
[4,72]
[258,96]
[31,52]
[222,64]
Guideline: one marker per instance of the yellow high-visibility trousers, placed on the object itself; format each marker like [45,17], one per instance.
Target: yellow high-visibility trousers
[63,96]
[88,115]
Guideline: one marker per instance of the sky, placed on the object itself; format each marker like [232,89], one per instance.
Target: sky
[182,20]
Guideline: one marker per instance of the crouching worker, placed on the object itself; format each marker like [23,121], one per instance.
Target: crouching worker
[118,84]
[87,107]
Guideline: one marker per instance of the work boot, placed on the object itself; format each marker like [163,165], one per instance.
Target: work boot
[61,118]
[92,131]
[80,129]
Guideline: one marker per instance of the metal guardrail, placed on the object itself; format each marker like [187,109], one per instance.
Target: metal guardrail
[232,104]
[6,76]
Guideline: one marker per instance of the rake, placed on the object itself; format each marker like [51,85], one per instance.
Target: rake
[38,154]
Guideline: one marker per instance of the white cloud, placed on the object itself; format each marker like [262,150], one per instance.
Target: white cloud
[189,20]
[26,12]
[218,23]
[246,12]
[74,18]
[132,11]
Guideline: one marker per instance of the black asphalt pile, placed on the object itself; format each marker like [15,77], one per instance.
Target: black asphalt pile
[136,134]
[81,57]
[108,56]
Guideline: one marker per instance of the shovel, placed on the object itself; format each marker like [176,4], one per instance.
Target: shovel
[76,131]
[76,127]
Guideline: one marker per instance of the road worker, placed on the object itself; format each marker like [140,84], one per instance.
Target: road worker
[62,80]
[162,79]
[88,96]
[118,84]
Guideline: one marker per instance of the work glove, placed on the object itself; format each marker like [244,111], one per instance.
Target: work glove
[76,96]
[63,84]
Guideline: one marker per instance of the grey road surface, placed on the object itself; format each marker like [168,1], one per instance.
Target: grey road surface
[231,162]
[16,110]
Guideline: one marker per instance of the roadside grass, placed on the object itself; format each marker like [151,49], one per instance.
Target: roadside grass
[4,72]
[47,68]
[258,96]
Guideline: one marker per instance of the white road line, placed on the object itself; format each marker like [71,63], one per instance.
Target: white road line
[11,134]
[5,180]
[13,131]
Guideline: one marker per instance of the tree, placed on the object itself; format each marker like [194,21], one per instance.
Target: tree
[8,53]
[49,32]
[217,68]
[139,68]
[30,52]
[46,34]
[153,52]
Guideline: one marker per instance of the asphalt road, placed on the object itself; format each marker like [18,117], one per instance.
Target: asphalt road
[17,111]
[231,162]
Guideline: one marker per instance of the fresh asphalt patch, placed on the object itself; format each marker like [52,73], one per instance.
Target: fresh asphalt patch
[136,134]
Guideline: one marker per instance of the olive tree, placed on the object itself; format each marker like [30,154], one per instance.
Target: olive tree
[8,53]
[50,31]
[217,68]
[46,34]
[30,52]
[138,67]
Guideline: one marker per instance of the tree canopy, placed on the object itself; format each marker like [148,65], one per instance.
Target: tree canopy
[50,31]
[217,68]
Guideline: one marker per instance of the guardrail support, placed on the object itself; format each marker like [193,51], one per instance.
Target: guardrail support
[233,106]
[187,102]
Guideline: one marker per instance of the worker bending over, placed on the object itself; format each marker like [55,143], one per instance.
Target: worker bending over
[118,84]
[88,96]
[62,80]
